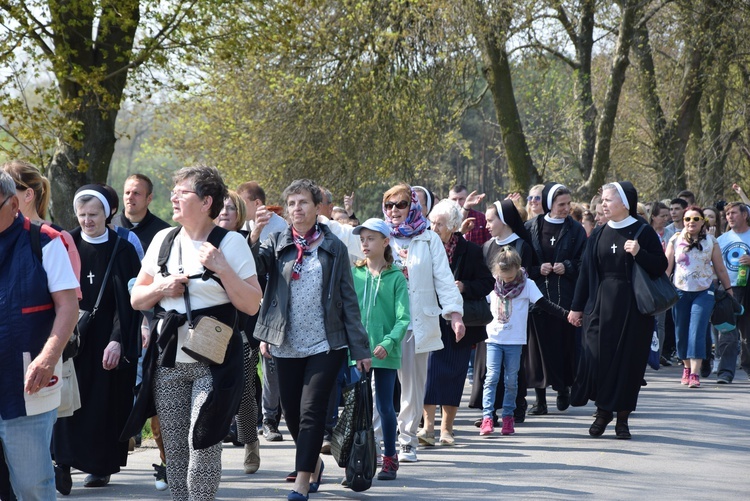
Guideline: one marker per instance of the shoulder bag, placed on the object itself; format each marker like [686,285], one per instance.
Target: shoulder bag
[85,317]
[207,338]
[652,295]
[477,312]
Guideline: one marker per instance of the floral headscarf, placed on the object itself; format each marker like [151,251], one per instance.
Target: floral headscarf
[414,224]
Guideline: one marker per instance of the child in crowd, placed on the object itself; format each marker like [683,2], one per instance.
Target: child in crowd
[384,303]
[506,334]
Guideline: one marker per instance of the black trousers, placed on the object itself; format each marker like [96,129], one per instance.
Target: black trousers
[304,387]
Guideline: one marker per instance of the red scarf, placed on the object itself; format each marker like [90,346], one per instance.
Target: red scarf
[303,244]
[450,247]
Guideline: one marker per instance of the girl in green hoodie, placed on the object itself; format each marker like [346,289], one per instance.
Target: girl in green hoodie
[384,304]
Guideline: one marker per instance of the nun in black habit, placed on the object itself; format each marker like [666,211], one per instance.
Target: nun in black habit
[507,229]
[89,440]
[616,336]
[558,241]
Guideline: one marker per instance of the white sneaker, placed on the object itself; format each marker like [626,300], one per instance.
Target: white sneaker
[161,477]
[407,455]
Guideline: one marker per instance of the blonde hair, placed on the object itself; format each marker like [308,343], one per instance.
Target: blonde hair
[507,260]
[241,209]
[400,189]
[27,176]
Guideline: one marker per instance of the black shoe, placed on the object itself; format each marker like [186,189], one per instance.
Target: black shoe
[519,415]
[538,409]
[705,368]
[63,480]
[622,431]
[600,423]
[563,399]
[95,481]
[271,432]
[664,362]
[478,422]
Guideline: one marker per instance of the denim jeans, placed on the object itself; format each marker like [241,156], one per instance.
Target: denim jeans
[26,442]
[691,315]
[508,358]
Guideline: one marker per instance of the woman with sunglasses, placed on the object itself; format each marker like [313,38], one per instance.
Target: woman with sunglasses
[694,256]
[422,257]
[534,202]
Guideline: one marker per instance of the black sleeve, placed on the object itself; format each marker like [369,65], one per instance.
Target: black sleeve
[478,281]
[651,255]
[551,308]
[582,292]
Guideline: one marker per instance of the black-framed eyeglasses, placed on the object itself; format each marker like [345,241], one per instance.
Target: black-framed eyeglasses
[4,202]
[403,204]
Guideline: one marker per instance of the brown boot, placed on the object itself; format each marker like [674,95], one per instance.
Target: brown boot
[252,457]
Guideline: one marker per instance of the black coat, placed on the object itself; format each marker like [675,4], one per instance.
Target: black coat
[468,267]
[568,251]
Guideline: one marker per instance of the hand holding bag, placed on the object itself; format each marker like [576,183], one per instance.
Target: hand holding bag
[208,338]
[362,464]
[652,295]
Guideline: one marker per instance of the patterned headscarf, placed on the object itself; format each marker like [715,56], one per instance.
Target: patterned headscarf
[414,224]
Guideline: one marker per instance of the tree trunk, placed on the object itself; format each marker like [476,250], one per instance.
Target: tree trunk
[606,125]
[86,162]
[587,111]
[522,172]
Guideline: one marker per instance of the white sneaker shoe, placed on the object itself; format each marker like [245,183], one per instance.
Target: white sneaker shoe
[161,477]
[407,455]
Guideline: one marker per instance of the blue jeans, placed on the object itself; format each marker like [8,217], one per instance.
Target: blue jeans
[508,358]
[385,383]
[26,443]
[691,315]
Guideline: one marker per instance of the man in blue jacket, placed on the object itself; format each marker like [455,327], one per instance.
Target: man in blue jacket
[35,325]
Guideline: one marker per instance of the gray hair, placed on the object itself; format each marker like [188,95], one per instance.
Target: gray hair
[207,182]
[452,211]
[7,184]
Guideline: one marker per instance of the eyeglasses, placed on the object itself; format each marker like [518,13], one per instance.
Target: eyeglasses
[694,219]
[535,198]
[179,194]
[4,202]
[403,204]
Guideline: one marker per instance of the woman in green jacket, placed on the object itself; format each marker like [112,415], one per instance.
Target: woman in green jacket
[384,305]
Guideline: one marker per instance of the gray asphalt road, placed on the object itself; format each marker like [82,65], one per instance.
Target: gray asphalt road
[687,444]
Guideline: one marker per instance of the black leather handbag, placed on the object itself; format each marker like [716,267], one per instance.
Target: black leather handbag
[652,295]
[362,464]
[343,433]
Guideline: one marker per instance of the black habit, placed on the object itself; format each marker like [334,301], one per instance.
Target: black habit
[89,440]
[616,336]
[551,348]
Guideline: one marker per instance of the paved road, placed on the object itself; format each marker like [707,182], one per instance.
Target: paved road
[687,444]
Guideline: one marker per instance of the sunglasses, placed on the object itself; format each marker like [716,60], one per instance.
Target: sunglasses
[694,219]
[403,204]
[535,198]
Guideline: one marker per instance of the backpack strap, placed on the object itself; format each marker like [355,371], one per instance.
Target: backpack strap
[165,250]
[214,238]
[35,234]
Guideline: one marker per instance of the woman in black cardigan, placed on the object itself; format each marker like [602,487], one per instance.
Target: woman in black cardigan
[447,368]
[558,241]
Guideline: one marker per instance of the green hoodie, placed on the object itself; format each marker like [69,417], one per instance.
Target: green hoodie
[384,305]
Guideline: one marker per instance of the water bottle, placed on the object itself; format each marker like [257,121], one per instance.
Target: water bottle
[742,275]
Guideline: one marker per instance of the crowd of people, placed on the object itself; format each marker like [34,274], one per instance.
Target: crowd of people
[534,293]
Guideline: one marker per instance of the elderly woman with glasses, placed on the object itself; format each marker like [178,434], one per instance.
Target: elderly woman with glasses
[211,271]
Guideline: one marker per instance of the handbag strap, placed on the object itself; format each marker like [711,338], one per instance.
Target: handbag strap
[186,294]
[106,276]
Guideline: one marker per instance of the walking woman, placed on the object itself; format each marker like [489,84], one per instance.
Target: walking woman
[105,366]
[447,368]
[616,336]
[211,271]
[558,241]
[421,256]
[309,317]
[694,256]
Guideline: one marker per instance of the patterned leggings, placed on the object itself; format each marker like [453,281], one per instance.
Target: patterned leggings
[179,393]
[247,416]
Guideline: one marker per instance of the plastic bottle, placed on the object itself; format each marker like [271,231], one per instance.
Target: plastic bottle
[742,275]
